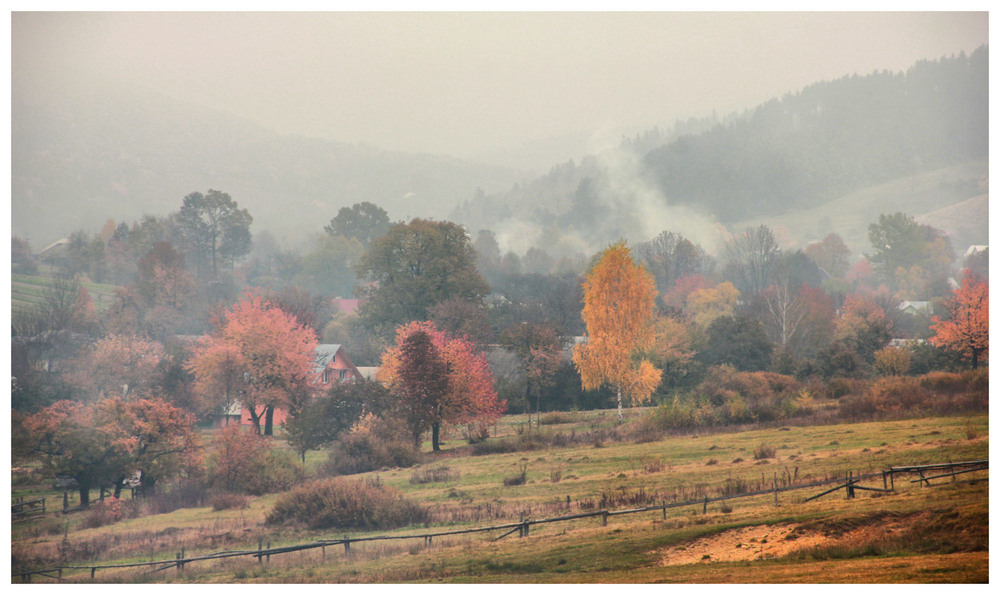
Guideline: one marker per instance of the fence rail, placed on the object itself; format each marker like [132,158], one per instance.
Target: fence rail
[26,509]
[523,526]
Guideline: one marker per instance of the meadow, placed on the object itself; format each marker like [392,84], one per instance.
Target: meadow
[914,534]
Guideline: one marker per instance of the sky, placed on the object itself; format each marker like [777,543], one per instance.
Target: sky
[465,83]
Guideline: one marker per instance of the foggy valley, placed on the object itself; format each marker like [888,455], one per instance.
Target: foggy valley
[499,297]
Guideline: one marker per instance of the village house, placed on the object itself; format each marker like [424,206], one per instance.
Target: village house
[332,365]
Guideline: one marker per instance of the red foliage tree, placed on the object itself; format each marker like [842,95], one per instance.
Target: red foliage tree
[467,395]
[968,329]
[264,347]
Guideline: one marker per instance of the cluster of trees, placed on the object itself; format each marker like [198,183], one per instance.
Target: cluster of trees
[459,330]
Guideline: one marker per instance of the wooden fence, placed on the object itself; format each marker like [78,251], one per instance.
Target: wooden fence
[25,509]
[523,526]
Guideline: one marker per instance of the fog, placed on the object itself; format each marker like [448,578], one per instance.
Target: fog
[471,83]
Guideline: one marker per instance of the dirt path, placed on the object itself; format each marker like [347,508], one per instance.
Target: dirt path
[745,543]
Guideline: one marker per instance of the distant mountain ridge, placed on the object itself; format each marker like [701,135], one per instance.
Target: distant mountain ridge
[796,153]
[81,157]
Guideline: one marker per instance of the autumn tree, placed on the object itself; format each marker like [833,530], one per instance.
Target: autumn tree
[101,444]
[830,255]
[413,267]
[272,353]
[121,365]
[438,380]
[863,326]
[671,351]
[618,310]
[161,437]
[69,442]
[967,331]
[705,305]
[361,221]
[539,350]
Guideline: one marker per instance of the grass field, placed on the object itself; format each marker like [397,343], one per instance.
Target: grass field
[26,290]
[916,534]
[851,214]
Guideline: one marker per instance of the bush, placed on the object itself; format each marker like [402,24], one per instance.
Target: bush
[935,392]
[227,501]
[362,452]
[243,462]
[343,503]
[108,511]
[433,475]
[763,451]
[556,417]
[519,479]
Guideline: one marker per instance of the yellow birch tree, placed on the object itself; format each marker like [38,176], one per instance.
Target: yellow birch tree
[618,301]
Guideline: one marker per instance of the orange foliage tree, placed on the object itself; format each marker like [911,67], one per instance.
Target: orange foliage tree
[100,445]
[125,365]
[968,329]
[261,348]
[618,298]
[440,379]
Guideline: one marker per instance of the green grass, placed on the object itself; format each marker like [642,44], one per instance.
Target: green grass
[850,215]
[581,551]
[27,290]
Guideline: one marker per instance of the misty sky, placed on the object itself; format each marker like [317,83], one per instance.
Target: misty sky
[463,83]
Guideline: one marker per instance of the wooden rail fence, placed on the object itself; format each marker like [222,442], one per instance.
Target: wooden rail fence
[25,509]
[523,526]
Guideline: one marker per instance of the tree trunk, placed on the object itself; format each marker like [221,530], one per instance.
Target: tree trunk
[621,414]
[436,436]
[147,482]
[269,420]
[84,496]
[975,359]
[118,486]
[254,418]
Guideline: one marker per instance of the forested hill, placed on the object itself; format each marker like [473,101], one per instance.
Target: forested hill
[794,153]
[832,138]
[88,153]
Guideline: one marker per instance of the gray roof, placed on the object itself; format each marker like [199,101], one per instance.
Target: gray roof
[324,353]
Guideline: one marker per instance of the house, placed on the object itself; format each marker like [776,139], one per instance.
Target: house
[331,365]
[916,308]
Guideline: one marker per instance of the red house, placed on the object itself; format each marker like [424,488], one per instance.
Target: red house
[331,365]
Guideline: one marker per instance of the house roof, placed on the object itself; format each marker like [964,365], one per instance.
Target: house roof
[324,354]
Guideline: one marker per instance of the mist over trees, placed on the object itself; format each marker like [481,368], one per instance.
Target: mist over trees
[605,293]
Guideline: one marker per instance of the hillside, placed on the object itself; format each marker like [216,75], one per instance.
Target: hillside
[82,156]
[939,198]
[870,144]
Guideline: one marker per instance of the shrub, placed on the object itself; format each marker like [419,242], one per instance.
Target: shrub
[188,493]
[519,479]
[360,452]
[763,451]
[556,417]
[243,462]
[433,475]
[344,503]
[103,513]
[226,501]
[555,475]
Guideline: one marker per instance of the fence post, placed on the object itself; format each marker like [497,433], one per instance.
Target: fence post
[775,484]
[704,509]
[520,529]
[93,569]
[324,551]
[850,485]
[604,519]
[260,546]
[664,503]
[268,549]
[347,546]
